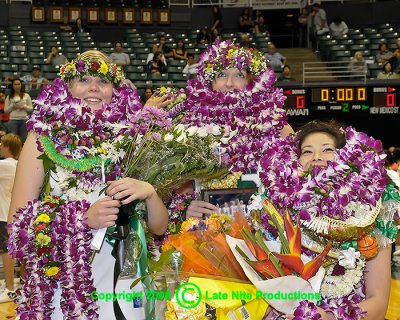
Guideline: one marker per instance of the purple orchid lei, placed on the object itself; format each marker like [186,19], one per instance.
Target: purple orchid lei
[70,249]
[255,113]
[356,176]
[306,310]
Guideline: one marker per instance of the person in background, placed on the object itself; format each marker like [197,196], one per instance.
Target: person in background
[10,148]
[154,49]
[35,79]
[4,116]
[275,59]
[302,29]
[319,25]
[55,58]
[246,24]
[203,36]
[357,65]
[396,57]
[156,65]
[217,23]
[286,75]
[261,26]
[387,72]
[179,53]
[165,50]
[338,27]
[191,65]
[147,93]
[80,27]
[384,55]
[18,104]
[214,35]
[119,57]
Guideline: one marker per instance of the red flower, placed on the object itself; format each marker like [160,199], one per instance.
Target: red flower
[94,65]
[180,206]
[40,227]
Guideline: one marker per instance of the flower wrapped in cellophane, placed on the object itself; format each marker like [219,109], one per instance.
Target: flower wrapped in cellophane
[278,268]
[197,266]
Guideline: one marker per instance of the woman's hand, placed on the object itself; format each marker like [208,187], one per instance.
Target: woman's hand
[157,101]
[197,209]
[127,189]
[103,213]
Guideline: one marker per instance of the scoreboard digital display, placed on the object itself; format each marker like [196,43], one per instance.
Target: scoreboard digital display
[363,100]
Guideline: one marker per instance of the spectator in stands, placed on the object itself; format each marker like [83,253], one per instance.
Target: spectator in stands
[319,24]
[35,79]
[4,116]
[18,104]
[384,55]
[245,41]
[217,23]
[302,28]
[261,26]
[180,52]
[55,58]
[246,24]
[203,36]
[164,49]
[357,64]
[387,72]
[191,65]
[257,15]
[156,65]
[154,49]
[119,57]
[286,75]
[396,57]
[338,27]
[10,148]
[80,27]
[147,93]
[275,59]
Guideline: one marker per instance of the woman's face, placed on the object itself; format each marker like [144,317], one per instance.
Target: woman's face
[180,44]
[317,148]
[17,85]
[230,79]
[388,67]
[148,93]
[94,91]
[358,56]
[383,47]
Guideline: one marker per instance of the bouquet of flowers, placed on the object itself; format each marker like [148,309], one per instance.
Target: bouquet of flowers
[273,265]
[200,255]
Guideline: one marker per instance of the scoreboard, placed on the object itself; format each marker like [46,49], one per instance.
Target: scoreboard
[370,99]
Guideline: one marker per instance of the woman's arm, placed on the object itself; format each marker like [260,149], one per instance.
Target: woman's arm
[9,105]
[29,176]
[28,106]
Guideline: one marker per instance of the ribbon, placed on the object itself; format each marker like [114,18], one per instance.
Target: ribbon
[390,193]
[350,244]
[388,229]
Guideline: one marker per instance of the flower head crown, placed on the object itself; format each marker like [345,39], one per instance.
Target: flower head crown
[80,67]
[225,55]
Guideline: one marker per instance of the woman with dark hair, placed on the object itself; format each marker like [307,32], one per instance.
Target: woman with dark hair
[384,53]
[387,72]
[180,53]
[245,21]
[147,93]
[18,103]
[156,65]
[217,23]
[332,179]
[80,27]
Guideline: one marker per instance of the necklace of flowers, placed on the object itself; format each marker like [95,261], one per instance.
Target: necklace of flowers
[254,114]
[55,251]
[343,189]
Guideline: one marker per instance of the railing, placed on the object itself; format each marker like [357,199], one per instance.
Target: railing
[255,4]
[332,71]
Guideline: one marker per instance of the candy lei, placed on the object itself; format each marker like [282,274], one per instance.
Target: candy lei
[352,183]
[81,148]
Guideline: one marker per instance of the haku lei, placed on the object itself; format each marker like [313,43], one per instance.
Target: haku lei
[355,180]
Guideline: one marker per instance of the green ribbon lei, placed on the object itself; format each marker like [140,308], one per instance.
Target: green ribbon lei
[388,229]
[350,244]
[391,193]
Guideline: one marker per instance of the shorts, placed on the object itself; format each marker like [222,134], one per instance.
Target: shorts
[3,237]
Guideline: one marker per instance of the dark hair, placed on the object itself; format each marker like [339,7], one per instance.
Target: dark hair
[396,154]
[190,55]
[119,43]
[286,66]
[337,20]
[384,66]
[156,55]
[12,91]
[316,5]
[183,44]
[389,160]
[381,44]
[331,127]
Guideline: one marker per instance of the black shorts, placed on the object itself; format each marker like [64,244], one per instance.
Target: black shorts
[3,237]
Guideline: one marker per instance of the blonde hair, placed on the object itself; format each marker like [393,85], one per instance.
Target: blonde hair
[95,55]
[13,142]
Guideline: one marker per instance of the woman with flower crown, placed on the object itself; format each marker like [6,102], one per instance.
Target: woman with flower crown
[332,180]
[234,90]
[71,155]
